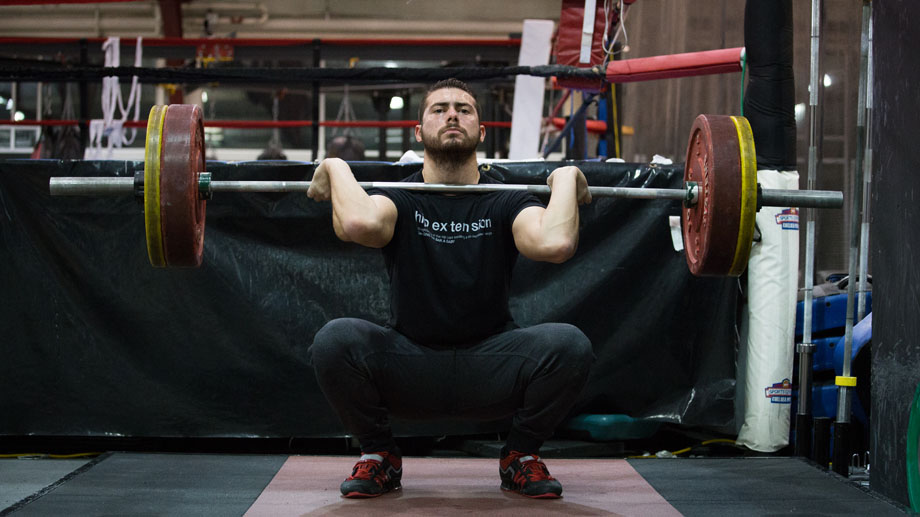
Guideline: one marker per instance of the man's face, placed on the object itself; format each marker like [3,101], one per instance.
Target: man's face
[450,124]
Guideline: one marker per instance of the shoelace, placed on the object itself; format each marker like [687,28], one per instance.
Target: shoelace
[535,470]
[366,469]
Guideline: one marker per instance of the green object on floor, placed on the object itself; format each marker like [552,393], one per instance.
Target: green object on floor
[612,427]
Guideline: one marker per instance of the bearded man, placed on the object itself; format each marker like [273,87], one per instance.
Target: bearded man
[451,348]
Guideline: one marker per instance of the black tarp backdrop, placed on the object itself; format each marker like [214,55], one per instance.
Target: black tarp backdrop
[895,239]
[95,342]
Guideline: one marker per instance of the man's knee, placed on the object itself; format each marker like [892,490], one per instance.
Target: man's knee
[567,342]
[338,339]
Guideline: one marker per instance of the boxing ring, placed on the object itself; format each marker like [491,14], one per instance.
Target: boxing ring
[133,301]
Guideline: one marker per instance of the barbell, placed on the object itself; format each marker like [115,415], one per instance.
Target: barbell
[720,196]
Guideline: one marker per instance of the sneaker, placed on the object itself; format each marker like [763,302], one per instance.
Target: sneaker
[375,474]
[527,475]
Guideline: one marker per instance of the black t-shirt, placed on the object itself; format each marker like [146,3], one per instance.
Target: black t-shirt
[450,262]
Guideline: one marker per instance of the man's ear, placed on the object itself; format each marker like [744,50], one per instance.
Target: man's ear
[418,132]
[482,133]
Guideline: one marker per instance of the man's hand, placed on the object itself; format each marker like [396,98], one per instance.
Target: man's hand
[356,216]
[582,194]
[320,188]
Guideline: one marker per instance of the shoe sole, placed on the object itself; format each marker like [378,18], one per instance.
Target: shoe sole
[362,495]
[547,495]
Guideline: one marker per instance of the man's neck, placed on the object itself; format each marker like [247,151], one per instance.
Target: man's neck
[461,173]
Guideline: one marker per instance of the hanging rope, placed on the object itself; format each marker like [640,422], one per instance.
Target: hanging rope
[108,128]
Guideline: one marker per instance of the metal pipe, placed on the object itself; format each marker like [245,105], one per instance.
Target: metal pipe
[91,186]
[303,186]
[79,186]
[807,348]
[103,186]
[573,119]
[844,395]
[867,176]
[802,198]
[314,112]
[14,93]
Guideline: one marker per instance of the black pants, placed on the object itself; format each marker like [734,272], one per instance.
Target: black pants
[368,372]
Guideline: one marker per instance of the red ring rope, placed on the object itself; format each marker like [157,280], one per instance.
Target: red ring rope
[594,126]
[254,124]
[675,65]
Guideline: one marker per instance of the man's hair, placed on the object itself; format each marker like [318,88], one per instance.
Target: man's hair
[448,83]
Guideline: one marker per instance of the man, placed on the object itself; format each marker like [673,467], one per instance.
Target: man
[450,348]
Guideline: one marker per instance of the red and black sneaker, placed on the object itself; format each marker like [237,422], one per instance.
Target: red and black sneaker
[375,474]
[527,475]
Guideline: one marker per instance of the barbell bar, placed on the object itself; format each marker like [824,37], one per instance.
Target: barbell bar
[76,186]
[99,186]
[720,196]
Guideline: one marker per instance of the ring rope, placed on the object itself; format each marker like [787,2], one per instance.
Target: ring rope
[174,42]
[593,126]
[265,75]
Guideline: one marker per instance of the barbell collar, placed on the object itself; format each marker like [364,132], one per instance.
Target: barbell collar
[204,186]
[98,186]
[139,186]
[805,348]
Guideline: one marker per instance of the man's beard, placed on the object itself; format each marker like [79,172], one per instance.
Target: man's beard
[452,153]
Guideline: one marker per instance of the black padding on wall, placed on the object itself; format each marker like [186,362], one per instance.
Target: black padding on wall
[895,239]
[96,342]
[770,96]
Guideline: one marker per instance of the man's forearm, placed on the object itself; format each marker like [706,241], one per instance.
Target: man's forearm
[355,215]
[560,221]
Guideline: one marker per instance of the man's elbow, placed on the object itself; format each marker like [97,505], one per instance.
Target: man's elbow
[364,231]
[559,251]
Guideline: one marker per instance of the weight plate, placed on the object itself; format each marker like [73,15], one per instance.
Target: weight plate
[748,157]
[913,452]
[182,212]
[152,153]
[717,227]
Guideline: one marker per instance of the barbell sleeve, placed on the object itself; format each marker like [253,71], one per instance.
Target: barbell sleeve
[802,198]
[80,186]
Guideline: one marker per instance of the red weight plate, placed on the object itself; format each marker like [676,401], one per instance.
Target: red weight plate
[711,226]
[181,210]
